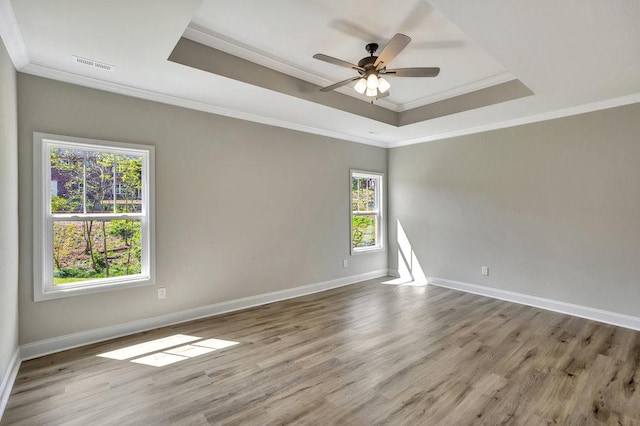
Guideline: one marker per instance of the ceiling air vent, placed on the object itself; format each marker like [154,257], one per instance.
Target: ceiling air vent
[94,64]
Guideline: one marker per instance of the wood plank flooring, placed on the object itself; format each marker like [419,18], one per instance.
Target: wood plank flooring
[364,354]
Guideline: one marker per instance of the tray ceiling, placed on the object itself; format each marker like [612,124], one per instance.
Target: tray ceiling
[284,35]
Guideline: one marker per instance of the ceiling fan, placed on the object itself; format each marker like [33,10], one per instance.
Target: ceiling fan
[372,69]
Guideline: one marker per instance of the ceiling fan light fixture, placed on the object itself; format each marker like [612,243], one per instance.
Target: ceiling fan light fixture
[361,86]
[383,85]
[372,81]
[372,69]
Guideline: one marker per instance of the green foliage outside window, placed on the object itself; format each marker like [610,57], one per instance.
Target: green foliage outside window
[364,231]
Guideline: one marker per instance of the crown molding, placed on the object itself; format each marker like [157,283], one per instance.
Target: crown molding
[10,33]
[202,35]
[212,39]
[551,115]
[463,89]
[67,77]
[46,72]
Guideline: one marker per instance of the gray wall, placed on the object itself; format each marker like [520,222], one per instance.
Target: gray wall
[553,208]
[8,212]
[242,208]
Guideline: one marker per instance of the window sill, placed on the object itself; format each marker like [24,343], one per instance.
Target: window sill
[374,249]
[111,285]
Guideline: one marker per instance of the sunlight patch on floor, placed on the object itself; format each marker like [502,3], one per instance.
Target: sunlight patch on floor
[216,343]
[159,360]
[148,347]
[404,281]
[189,351]
[168,350]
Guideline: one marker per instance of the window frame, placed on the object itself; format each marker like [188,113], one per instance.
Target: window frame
[43,219]
[380,227]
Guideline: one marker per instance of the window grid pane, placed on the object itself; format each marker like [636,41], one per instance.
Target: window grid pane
[89,250]
[364,195]
[67,173]
[94,181]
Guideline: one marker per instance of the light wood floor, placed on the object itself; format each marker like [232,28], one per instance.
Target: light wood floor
[363,354]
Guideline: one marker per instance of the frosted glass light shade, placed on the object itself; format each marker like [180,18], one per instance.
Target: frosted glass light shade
[372,81]
[361,86]
[372,92]
[383,85]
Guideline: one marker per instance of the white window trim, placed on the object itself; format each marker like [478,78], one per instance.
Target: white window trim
[43,288]
[380,231]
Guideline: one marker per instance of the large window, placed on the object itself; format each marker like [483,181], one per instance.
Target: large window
[93,206]
[366,211]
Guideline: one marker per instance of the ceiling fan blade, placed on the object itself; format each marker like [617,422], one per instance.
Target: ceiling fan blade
[439,44]
[336,61]
[415,72]
[391,50]
[415,19]
[339,84]
[383,95]
[353,30]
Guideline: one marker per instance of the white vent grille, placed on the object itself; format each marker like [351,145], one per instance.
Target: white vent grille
[94,64]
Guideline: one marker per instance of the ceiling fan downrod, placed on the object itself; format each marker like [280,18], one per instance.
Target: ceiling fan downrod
[371,48]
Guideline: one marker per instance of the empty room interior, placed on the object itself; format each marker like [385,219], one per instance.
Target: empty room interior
[319,212]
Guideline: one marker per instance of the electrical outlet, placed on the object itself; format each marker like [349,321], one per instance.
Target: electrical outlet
[485,271]
[344,263]
[162,293]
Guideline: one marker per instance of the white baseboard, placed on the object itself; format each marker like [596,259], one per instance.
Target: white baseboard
[600,315]
[69,341]
[7,380]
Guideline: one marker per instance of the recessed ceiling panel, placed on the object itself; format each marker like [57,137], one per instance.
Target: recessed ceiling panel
[285,34]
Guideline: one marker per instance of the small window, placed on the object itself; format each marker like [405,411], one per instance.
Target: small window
[366,211]
[93,227]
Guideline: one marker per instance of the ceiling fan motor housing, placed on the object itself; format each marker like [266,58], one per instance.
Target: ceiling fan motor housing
[367,62]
